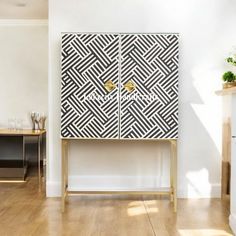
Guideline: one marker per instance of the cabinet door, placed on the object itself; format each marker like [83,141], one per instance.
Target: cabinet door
[149,86]
[89,85]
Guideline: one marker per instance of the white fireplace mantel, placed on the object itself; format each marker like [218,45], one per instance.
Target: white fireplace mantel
[232,93]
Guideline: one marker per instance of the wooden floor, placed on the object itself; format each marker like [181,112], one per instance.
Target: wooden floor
[24,211]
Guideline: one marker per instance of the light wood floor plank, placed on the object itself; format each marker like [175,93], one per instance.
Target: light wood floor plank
[24,211]
[207,217]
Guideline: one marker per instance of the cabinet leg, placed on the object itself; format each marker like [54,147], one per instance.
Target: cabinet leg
[171,172]
[64,174]
[174,172]
[66,169]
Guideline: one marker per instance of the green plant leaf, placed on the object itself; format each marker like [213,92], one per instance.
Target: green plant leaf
[228,77]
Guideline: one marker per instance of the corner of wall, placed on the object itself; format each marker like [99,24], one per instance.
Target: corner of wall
[53,189]
[232,223]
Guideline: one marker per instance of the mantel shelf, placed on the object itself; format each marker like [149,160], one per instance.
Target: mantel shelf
[227,91]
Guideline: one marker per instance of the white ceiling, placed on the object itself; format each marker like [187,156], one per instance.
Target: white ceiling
[23,9]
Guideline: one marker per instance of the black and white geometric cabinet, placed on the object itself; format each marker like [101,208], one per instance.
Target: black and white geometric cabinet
[119,86]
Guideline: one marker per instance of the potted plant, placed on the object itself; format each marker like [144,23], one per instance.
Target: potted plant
[229,79]
[231,60]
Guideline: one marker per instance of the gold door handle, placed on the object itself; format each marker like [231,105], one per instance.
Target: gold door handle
[130,86]
[109,86]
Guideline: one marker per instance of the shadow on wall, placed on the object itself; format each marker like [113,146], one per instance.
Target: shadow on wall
[201,171]
[200,128]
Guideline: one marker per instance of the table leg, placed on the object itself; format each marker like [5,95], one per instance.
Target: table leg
[39,160]
[44,161]
[24,160]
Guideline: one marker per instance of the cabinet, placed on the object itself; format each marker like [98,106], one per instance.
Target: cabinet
[119,86]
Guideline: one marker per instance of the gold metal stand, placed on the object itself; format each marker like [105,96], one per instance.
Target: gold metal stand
[172,191]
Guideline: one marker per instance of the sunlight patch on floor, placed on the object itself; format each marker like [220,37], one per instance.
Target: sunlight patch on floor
[134,211]
[134,204]
[203,232]
[150,202]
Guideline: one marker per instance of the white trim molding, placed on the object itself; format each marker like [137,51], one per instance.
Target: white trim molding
[84,182]
[53,189]
[94,182]
[232,223]
[213,191]
[23,22]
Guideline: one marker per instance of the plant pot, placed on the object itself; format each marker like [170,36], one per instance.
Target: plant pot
[229,85]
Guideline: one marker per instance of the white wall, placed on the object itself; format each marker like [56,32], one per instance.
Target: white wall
[206,35]
[23,69]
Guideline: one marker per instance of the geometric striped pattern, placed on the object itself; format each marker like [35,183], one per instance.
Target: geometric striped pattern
[150,61]
[88,62]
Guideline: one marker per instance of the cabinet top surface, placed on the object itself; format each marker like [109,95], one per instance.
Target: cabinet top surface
[120,139]
[132,33]
[23,132]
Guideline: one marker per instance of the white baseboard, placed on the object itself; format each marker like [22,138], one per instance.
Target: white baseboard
[77,183]
[53,189]
[232,223]
[115,182]
[214,191]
